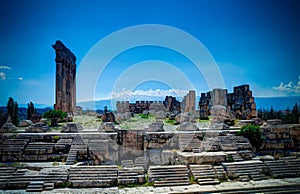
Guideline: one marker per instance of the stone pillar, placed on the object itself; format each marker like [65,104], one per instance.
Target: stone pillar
[187,103]
[219,97]
[192,100]
[65,93]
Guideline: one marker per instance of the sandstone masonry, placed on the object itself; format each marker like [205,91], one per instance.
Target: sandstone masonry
[65,98]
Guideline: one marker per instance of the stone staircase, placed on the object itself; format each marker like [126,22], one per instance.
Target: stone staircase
[131,176]
[235,156]
[246,170]
[35,186]
[141,162]
[188,141]
[293,163]
[127,163]
[62,145]
[39,186]
[78,148]
[176,175]
[72,156]
[21,178]
[38,148]
[93,176]
[284,167]
[204,174]
[12,149]
[220,173]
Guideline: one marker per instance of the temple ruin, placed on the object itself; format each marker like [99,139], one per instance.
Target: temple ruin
[65,92]
[240,102]
[170,104]
[189,101]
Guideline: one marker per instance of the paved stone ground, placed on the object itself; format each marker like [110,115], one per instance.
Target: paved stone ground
[91,123]
[178,189]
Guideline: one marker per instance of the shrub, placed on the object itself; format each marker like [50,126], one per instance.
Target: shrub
[144,116]
[55,114]
[170,121]
[254,135]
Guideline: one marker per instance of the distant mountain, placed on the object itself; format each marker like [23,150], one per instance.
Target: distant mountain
[39,106]
[278,103]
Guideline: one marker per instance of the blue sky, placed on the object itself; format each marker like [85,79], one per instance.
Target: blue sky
[255,42]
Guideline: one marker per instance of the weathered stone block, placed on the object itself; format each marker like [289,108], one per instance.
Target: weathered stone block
[155,156]
[168,157]
[187,126]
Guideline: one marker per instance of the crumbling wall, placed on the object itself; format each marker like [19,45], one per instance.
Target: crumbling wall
[280,140]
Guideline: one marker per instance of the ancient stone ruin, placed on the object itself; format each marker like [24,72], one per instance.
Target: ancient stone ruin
[65,93]
[170,104]
[132,149]
[240,102]
[189,102]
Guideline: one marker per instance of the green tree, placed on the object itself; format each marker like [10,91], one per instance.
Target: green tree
[15,118]
[105,109]
[10,106]
[272,113]
[295,112]
[30,110]
[54,115]
[253,133]
[12,110]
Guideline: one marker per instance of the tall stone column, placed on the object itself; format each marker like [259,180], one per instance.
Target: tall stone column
[65,92]
[192,100]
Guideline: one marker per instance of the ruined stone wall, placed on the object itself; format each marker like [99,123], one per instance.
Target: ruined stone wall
[205,104]
[172,105]
[65,98]
[157,106]
[131,144]
[189,101]
[139,106]
[241,102]
[123,106]
[280,139]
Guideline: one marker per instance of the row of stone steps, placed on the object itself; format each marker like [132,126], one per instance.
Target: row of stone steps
[62,145]
[204,174]
[284,167]
[235,156]
[127,163]
[72,157]
[141,162]
[253,169]
[7,171]
[35,186]
[138,162]
[78,147]
[22,181]
[12,149]
[38,148]
[93,176]
[176,175]
[39,186]
[131,176]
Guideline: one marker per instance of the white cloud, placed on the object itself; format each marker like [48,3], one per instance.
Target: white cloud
[20,78]
[126,94]
[2,76]
[289,88]
[5,67]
